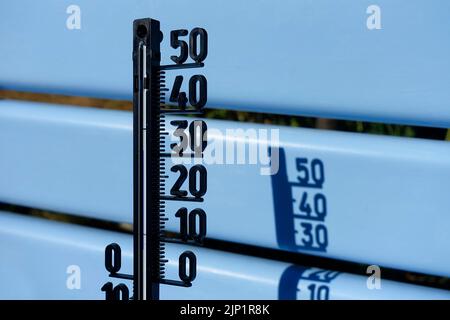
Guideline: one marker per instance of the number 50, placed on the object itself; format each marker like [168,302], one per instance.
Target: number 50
[197,53]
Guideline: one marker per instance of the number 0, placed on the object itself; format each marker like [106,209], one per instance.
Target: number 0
[198,33]
[185,276]
[198,101]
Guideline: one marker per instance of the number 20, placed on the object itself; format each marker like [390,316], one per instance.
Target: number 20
[197,192]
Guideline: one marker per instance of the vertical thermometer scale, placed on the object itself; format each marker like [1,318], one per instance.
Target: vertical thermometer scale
[150,155]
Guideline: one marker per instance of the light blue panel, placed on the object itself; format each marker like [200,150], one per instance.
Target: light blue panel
[66,159]
[296,57]
[386,197]
[37,253]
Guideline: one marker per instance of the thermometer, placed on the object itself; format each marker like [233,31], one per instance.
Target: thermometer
[152,157]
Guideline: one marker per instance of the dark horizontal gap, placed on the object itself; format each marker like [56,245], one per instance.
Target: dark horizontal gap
[77,101]
[245,249]
[65,217]
[249,117]
[322,262]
